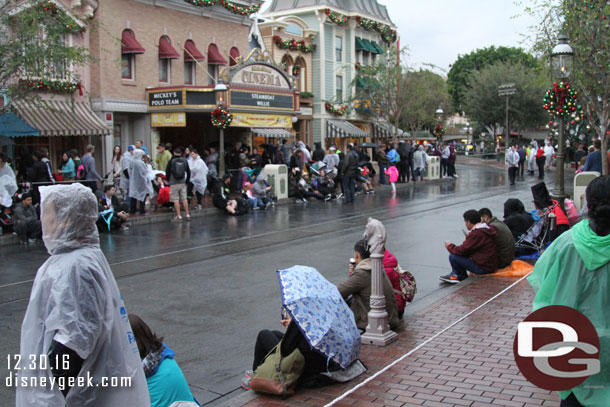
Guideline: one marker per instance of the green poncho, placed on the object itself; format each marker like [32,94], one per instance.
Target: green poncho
[575,272]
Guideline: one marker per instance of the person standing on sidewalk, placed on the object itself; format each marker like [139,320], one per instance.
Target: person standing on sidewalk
[91,175]
[178,174]
[540,162]
[349,167]
[478,254]
[575,272]
[522,159]
[512,158]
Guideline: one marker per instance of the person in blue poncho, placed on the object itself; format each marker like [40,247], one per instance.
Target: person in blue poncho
[575,272]
[166,383]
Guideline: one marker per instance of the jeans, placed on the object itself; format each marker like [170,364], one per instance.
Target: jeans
[512,174]
[444,166]
[540,161]
[265,341]
[419,172]
[460,264]
[349,188]
[382,168]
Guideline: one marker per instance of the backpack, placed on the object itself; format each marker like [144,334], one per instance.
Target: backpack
[278,375]
[179,169]
[81,173]
[408,286]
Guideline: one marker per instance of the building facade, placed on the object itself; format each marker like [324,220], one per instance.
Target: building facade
[347,33]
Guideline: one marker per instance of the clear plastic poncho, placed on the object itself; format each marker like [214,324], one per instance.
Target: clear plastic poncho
[76,302]
[8,185]
[199,174]
[125,162]
[139,180]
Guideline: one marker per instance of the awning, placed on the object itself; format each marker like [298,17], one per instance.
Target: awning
[13,126]
[343,129]
[61,118]
[369,46]
[191,53]
[129,44]
[272,133]
[380,130]
[361,83]
[360,45]
[378,47]
[214,57]
[166,51]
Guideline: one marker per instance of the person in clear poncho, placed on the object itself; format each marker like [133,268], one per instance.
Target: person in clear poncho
[140,183]
[575,272]
[124,180]
[199,176]
[8,182]
[76,312]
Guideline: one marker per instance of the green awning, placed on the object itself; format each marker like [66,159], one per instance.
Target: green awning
[360,45]
[361,83]
[379,48]
[13,126]
[369,46]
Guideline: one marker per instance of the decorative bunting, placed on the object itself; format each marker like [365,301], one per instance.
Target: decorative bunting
[293,44]
[387,34]
[336,18]
[51,85]
[229,5]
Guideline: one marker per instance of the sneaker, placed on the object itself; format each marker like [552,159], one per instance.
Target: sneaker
[298,201]
[340,195]
[245,383]
[198,207]
[327,198]
[451,278]
[268,205]
[125,226]
[177,219]
[304,200]
[32,241]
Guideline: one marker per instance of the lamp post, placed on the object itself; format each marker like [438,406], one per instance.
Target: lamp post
[221,91]
[439,118]
[561,64]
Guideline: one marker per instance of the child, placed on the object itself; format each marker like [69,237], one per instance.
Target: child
[392,172]
[248,195]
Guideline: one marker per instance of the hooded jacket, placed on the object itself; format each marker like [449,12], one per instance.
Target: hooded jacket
[575,272]
[515,217]
[480,247]
[505,243]
[259,188]
[389,265]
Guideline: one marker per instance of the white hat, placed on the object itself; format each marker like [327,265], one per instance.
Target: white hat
[333,148]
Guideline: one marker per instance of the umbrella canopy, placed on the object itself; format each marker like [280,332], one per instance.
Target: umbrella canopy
[369,145]
[319,311]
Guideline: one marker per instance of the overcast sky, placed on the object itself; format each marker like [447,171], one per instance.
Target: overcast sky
[437,31]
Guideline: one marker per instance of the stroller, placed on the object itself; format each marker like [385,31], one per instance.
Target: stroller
[537,237]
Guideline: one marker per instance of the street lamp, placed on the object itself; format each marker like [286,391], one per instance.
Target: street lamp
[438,130]
[561,63]
[221,95]
[439,113]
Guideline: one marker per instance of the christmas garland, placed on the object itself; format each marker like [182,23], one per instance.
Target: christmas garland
[51,85]
[293,44]
[62,18]
[296,70]
[337,111]
[221,117]
[387,34]
[439,130]
[229,5]
[336,18]
[561,100]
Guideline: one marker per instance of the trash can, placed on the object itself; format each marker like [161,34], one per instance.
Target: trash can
[580,186]
[277,176]
[433,168]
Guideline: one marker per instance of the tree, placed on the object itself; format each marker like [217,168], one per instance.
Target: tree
[465,65]
[425,91]
[34,50]
[383,85]
[585,23]
[483,105]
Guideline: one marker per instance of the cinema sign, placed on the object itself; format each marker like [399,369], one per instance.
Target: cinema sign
[260,75]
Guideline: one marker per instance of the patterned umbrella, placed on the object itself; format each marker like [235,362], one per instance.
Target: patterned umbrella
[316,306]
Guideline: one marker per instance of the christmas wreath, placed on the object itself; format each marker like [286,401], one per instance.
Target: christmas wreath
[336,18]
[293,44]
[221,117]
[337,111]
[561,100]
[296,70]
[232,7]
[439,130]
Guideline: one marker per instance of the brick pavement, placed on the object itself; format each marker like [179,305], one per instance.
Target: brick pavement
[471,364]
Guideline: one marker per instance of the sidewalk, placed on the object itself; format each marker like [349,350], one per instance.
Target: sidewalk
[469,364]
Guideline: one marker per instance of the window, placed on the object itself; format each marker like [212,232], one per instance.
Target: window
[164,70]
[365,58]
[339,89]
[189,72]
[128,62]
[338,49]
[213,71]
[292,28]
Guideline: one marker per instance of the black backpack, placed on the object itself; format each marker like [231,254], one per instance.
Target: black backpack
[179,169]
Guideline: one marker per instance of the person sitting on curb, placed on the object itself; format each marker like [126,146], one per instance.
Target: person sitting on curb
[165,380]
[27,225]
[389,265]
[358,286]
[505,242]
[112,213]
[259,192]
[478,254]
[515,217]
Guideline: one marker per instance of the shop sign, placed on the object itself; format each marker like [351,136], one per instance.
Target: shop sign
[174,119]
[165,98]
[261,120]
[261,100]
[260,75]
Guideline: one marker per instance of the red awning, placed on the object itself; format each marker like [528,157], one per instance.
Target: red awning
[166,51]
[191,53]
[129,44]
[234,54]
[214,57]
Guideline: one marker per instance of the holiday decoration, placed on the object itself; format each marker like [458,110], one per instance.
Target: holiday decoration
[337,111]
[293,44]
[336,18]
[232,7]
[51,85]
[221,117]
[560,100]
[358,66]
[387,34]
[63,19]
[296,70]
[439,130]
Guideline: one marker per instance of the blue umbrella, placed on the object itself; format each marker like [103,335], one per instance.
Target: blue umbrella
[319,311]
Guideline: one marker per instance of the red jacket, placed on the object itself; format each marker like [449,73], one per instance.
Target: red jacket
[561,217]
[480,247]
[389,264]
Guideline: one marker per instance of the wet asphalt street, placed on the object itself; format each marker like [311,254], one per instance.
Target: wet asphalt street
[208,286]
